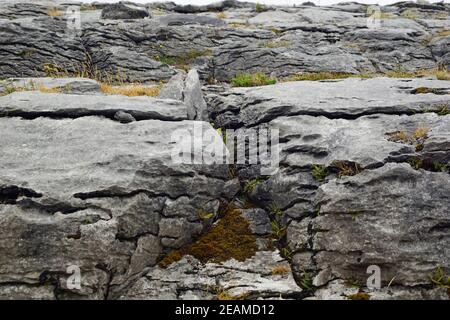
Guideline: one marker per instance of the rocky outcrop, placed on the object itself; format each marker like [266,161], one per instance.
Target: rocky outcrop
[283,41]
[130,193]
[124,11]
[92,192]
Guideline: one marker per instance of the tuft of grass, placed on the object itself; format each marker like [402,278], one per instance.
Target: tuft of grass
[183,62]
[421,133]
[204,215]
[49,90]
[252,80]
[440,167]
[251,185]
[260,8]
[236,25]
[319,172]
[412,14]
[131,90]
[399,136]
[415,163]
[278,230]
[276,44]
[347,169]
[221,15]
[440,279]
[444,110]
[54,12]
[443,33]
[359,296]
[425,90]
[273,208]
[280,270]
[287,253]
[229,238]
[318,76]
[87,7]
[306,282]
[225,296]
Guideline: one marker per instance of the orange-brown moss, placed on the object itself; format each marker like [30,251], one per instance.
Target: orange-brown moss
[359,296]
[229,238]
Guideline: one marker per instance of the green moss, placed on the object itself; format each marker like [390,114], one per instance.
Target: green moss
[359,296]
[252,80]
[319,172]
[229,238]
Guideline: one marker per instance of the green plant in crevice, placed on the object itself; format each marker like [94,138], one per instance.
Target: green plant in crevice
[440,167]
[259,7]
[250,185]
[444,110]
[273,208]
[287,253]
[319,172]
[416,163]
[440,279]
[306,282]
[252,80]
[278,230]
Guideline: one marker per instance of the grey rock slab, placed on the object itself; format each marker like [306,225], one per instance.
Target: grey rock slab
[193,97]
[340,290]
[67,85]
[28,45]
[173,89]
[93,193]
[259,221]
[348,98]
[253,278]
[123,10]
[35,104]
[394,217]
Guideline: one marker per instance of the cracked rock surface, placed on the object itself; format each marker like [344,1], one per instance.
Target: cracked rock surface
[88,179]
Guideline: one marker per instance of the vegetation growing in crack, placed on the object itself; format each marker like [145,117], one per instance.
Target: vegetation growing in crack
[443,110]
[440,278]
[230,237]
[346,168]
[183,61]
[416,138]
[359,296]
[281,270]
[305,282]
[252,80]
[260,8]
[276,44]
[131,90]
[250,185]
[319,172]
[54,12]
